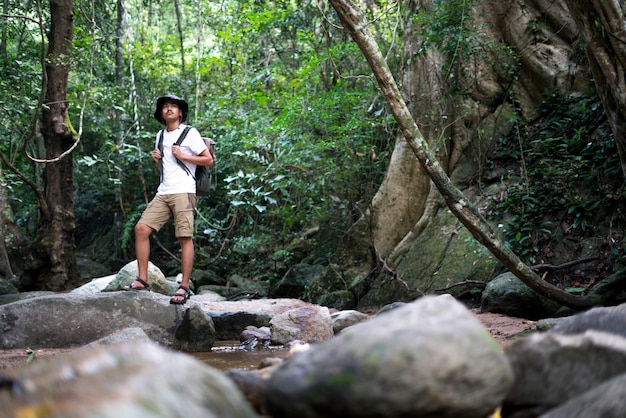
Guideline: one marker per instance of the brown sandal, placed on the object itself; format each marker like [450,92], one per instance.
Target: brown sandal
[175,299]
[144,285]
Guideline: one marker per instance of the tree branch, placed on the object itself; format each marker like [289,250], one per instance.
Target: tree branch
[552,267]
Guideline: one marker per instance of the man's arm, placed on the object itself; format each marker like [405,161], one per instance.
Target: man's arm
[204,158]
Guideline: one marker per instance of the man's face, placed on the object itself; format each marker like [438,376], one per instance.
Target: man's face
[171,112]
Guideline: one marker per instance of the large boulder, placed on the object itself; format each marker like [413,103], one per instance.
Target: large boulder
[72,320]
[427,358]
[608,400]
[307,323]
[133,380]
[508,295]
[607,319]
[444,258]
[232,317]
[128,274]
[552,369]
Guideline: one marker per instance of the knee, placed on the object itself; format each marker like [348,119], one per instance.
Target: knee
[142,230]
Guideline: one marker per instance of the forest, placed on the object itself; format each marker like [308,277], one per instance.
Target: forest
[345,132]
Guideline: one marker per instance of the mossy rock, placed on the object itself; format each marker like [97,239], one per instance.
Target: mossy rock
[7,288]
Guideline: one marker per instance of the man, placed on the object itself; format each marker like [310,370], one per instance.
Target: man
[176,195]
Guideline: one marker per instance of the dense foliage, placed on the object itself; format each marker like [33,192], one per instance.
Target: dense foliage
[301,135]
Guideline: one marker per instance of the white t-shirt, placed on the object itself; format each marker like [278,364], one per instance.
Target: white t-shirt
[175,179]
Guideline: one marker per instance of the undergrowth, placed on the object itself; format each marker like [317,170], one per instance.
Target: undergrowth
[571,182]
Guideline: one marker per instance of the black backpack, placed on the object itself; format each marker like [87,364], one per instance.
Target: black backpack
[203,174]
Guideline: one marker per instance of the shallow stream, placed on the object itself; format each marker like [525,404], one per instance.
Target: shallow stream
[227,355]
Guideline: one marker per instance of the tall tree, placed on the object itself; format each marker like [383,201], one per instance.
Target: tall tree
[12,242]
[3,30]
[55,241]
[354,22]
[120,40]
[181,38]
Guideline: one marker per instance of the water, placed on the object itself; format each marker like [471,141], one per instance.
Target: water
[227,355]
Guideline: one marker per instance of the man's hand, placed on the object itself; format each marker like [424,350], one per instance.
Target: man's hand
[156,155]
[176,152]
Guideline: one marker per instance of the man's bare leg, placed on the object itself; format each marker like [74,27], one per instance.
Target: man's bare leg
[187,254]
[142,251]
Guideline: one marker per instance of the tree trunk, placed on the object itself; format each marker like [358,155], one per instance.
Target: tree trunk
[55,240]
[407,200]
[603,30]
[6,215]
[354,22]
[13,243]
[199,52]
[3,31]
[119,216]
[179,21]
[120,31]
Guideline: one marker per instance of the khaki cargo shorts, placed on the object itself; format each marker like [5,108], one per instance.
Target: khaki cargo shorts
[164,206]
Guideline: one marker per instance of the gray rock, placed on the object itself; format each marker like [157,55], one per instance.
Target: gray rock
[195,332]
[134,334]
[72,320]
[430,358]
[610,319]
[339,299]
[247,286]
[551,369]
[89,268]
[232,317]
[344,319]
[253,387]
[226,292]
[207,277]
[128,273]
[607,401]
[171,286]
[135,380]
[209,295]
[546,324]
[297,279]
[95,285]
[16,297]
[508,295]
[307,323]
[262,334]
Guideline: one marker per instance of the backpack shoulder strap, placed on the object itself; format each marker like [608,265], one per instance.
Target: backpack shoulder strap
[159,146]
[179,141]
[182,136]
[160,140]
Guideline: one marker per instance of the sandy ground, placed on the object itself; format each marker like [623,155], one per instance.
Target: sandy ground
[503,328]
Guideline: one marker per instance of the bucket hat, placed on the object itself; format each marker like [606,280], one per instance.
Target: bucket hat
[184,107]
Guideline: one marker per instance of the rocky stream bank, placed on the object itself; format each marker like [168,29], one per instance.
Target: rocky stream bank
[131,354]
[503,328]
